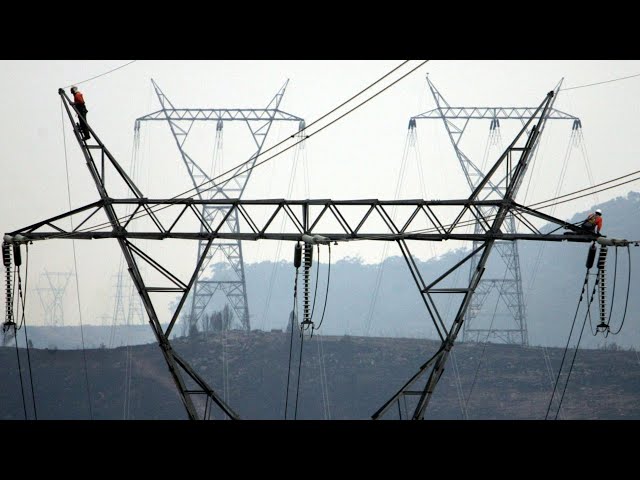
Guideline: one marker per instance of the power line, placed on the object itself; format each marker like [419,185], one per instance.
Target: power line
[484,346]
[15,338]
[295,412]
[585,286]
[624,315]
[75,262]
[575,354]
[214,185]
[292,136]
[293,319]
[263,161]
[423,230]
[587,188]
[326,295]
[102,74]
[489,217]
[23,299]
[592,193]
[600,83]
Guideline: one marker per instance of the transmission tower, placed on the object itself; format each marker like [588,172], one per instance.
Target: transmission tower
[352,220]
[135,314]
[129,312]
[259,123]
[51,292]
[509,285]
[119,317]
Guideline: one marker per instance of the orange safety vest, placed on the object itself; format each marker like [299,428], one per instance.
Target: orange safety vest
[78,98]
[596,220]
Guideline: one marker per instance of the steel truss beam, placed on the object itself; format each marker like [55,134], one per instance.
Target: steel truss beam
[456,120]
[259,122]
[254,228]
[445,218]
[490,113]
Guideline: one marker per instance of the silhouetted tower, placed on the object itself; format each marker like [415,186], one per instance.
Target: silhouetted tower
[259,122]
[509,286]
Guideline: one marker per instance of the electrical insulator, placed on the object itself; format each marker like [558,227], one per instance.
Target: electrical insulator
[308,255]
[306,278]
[6,255]
[602,258]
[6,259]
[297,256]
[591,256]
[17,259]
[602,287]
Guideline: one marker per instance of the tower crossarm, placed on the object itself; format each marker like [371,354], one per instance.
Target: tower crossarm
[489,113]
[258,219]
[219,114]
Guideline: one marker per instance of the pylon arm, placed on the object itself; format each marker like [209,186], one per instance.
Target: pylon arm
[479,113]
[255,225]
[215,114]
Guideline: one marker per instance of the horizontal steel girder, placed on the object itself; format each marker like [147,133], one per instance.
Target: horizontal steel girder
[249,228]
[223,114]
[489,113]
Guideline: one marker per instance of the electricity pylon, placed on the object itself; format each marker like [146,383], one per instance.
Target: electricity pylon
[259,122]
[352,220]
[51,296]
[509,285]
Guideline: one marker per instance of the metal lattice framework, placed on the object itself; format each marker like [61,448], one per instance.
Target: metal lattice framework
[308,220]
[508,287]
[51,296]
[181,121]
[133,314]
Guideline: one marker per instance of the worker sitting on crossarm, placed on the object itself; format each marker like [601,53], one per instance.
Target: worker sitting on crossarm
[593,223]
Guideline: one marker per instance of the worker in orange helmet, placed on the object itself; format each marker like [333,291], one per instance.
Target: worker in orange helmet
[593,223]
[78,101]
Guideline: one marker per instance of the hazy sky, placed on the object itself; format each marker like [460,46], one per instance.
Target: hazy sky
[358,157]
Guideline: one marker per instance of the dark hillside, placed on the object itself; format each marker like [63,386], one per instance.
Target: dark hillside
[362,373]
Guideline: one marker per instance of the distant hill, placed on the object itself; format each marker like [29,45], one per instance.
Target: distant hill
[360,374]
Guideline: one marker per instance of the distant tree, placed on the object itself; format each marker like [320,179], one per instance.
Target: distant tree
[185,326]
[613,346]
[290,322]
[193,329]
[226,316]
[216,322]
[7,336]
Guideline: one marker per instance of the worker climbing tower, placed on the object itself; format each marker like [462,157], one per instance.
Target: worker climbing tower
[509,285]
[259,122]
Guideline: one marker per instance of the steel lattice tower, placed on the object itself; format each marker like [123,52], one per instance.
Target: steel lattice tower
[509,286]
[131,313]
[259,122]
[51,296]
[447,220]
[119,317]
